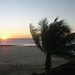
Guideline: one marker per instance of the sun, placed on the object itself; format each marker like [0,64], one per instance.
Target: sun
[4,37]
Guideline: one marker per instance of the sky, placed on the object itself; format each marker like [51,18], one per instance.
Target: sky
[16,15]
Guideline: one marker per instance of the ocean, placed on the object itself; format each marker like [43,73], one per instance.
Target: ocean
[18,42]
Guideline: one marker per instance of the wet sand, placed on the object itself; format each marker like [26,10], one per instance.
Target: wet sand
[23,60]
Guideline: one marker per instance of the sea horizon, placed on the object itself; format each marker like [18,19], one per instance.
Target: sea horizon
[17,41]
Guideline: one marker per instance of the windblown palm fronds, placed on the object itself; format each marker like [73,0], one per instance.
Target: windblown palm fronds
[53,39]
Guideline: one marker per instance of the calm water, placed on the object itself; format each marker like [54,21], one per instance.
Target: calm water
[18,41]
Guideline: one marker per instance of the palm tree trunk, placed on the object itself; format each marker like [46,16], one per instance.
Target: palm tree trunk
[48,63]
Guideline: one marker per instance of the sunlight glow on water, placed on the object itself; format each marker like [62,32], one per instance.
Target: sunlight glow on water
[17,42]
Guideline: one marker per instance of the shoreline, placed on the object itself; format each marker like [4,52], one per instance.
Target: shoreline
[26,45]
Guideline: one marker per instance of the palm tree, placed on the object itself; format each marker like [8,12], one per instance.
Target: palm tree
[53,39]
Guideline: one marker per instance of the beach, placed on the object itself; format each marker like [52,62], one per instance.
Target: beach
[23,60]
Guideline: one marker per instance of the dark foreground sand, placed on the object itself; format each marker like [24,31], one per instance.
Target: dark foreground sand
[23,60]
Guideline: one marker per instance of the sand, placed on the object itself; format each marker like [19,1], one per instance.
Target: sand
[23,60]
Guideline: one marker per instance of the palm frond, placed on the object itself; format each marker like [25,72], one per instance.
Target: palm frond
[54,37]
[35,35]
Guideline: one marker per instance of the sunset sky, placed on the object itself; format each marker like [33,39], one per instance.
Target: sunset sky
[16,15]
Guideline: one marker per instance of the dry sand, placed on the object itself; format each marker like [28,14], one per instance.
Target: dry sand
[23,60]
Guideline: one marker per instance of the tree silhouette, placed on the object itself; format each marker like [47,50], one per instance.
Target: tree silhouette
[53,39]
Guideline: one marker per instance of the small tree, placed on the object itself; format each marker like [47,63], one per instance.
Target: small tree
[53,39]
